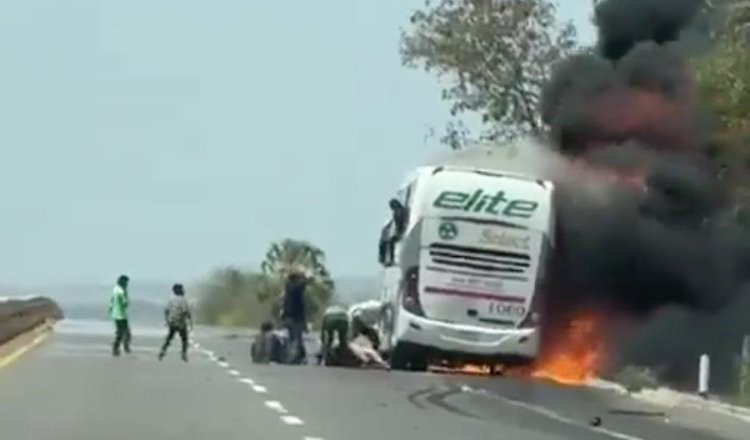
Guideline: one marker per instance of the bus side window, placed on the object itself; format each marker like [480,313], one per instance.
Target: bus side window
[394,230]
[400,218]
[384,244]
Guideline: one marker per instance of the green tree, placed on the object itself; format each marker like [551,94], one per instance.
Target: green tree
[496,55]
[287,255]
[722,78]
[232,297]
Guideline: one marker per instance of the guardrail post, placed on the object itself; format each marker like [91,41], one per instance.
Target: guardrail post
[704,373]
[745,371]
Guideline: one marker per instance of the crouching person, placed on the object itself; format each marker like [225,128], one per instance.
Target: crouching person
[267,347]
[335,325]
[178,319]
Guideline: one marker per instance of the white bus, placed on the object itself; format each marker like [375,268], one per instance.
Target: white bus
[463,279]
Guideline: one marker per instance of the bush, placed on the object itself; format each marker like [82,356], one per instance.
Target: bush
[635,378]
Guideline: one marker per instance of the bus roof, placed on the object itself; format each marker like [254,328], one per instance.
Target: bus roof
[432,170]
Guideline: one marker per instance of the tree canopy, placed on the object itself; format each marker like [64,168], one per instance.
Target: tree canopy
[722,78]
[287,255]
[496,56]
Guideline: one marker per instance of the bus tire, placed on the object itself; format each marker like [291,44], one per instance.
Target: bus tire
[418,363]
[407,358]
[398,358]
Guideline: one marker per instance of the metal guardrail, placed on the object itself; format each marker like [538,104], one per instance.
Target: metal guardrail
[18,316]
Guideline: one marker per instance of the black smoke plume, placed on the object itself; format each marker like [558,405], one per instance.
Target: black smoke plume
[668,240]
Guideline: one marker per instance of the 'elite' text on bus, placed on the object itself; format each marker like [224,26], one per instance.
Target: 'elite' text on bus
[481,202]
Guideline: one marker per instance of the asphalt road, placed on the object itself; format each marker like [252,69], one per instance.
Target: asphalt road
[70,388]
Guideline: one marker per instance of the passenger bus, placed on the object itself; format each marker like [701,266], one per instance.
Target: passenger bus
[462,277]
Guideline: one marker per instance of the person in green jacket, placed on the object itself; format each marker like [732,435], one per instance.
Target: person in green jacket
[335,325]
[118,312]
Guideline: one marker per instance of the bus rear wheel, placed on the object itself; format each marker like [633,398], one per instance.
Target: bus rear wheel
[407,357]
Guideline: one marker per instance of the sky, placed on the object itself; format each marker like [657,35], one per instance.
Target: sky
[164,139]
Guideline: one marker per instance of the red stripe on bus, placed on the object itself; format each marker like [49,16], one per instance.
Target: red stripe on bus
[476,295]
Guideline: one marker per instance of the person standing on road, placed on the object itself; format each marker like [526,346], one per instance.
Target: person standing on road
[363,317]
[118,312]
[178,319]
[294,316]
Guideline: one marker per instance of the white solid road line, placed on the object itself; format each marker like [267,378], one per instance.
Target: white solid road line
[550,414]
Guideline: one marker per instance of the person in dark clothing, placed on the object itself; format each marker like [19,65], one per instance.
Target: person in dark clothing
[294,316]
[400,218]
[178,319]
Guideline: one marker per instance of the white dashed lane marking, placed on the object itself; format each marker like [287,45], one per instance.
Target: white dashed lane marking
[292,420]
[276,406]
[271,404]
[260,389]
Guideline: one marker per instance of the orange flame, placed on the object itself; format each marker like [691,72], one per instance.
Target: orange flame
[575,357]
[572,359]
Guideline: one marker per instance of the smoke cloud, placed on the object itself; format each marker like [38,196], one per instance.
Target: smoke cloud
[629,108]
[667,240]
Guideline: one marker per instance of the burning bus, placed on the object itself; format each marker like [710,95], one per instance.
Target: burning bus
[464,258]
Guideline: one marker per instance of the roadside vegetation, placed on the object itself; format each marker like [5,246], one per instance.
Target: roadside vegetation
[245,297]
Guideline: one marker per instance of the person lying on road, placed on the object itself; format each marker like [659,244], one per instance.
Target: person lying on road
[367,356]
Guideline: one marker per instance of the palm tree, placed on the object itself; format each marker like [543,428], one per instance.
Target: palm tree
[289,255]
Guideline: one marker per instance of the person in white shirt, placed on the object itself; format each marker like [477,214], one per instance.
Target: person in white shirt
[367,356]
[363,317]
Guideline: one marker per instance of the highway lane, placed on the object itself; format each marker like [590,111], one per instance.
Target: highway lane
[70,388]
[371,404]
